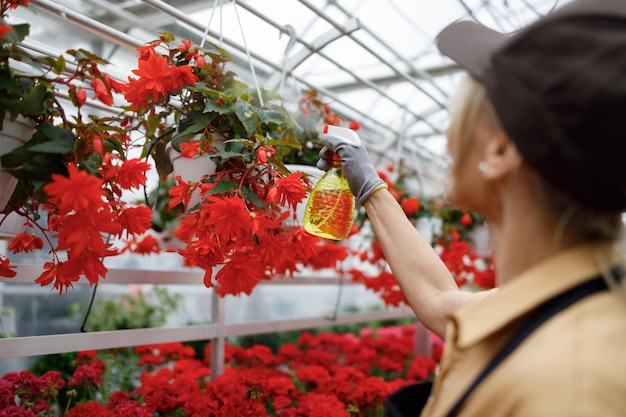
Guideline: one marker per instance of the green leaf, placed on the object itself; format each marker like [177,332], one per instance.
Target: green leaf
[240,143]
[59,65]
[201,87]
[114,143]
[168,36]
[248,116]
[10,159]
[33,102]
[92,163]
[195,122]
[59,140]
[252,197]
[10,84]
[36,63]
[212,106]
[233,149]
[290,137]
[275,117]
[222,187]
[84,55]
[239,89]
[19,33]
[33,166]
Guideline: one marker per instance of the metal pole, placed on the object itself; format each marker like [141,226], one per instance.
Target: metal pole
[89,24]
[218,317]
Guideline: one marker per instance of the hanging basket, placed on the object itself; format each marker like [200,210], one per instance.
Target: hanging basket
[193,169]
[14,133]
[314,175]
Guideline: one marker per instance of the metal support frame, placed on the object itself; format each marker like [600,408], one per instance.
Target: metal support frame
[127,41]
[218,316]
[393,68]
[90,25]
[414,76]
[314,47]
[172,11]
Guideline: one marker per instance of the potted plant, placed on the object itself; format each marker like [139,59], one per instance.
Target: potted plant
[183,95]
[73,169]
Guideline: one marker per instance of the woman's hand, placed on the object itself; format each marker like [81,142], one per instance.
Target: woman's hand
[355,163]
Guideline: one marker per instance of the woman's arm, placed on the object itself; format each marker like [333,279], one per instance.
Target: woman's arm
[426,282]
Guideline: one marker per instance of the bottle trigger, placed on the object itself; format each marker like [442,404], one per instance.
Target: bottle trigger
[348,136]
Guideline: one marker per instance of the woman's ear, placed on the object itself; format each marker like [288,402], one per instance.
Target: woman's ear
[501,156]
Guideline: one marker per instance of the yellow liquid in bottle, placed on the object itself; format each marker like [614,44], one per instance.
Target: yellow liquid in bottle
[329,212]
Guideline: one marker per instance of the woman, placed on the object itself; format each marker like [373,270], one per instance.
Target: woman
[538,146]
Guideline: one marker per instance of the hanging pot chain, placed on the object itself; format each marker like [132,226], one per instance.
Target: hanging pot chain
[245,45]
[217,3]
[206,29]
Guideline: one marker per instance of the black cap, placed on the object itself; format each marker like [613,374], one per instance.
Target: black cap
[559,89]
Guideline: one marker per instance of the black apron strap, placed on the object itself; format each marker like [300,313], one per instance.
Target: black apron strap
[541,314]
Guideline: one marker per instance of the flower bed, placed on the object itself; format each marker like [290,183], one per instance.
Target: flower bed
[325,375]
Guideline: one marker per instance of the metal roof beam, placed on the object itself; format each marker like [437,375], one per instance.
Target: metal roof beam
[433,72]
[399,73]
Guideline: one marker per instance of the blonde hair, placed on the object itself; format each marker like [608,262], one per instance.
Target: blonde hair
[471,106]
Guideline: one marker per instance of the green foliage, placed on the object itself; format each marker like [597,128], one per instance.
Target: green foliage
[121,374]
[121,371]
[4,313]
[131,311]
[29,87]
[216,103]
[65,363]
[127,312]
[62,362]
[38,159]
[163,217]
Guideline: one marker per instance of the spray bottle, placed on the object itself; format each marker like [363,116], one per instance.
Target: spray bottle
[329,212]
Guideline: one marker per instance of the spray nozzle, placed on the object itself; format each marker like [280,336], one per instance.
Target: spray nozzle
[346,135]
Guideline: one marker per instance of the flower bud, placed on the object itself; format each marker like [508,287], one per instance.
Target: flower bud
[81,96]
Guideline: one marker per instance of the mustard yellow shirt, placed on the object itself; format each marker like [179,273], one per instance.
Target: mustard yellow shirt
[573,365]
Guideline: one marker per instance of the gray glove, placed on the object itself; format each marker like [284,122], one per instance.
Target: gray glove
[356,166]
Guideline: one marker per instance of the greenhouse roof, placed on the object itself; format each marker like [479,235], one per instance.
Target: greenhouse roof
[372,61]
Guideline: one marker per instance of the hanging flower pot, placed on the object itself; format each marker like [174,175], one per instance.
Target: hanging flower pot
[14,133]
[67,166]
[234,236]
[193,169]
[314,174]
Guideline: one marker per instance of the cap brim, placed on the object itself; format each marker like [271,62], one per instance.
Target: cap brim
[470,45]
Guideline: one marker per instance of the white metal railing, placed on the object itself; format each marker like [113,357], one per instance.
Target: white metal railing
[216,331]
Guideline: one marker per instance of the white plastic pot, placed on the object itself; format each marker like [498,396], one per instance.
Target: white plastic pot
[314,175]
[193,169]
[14,133]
